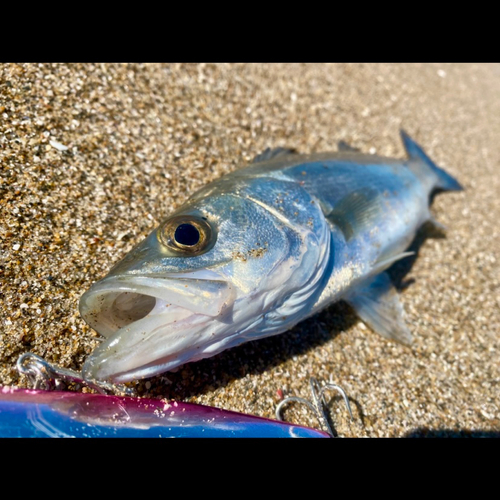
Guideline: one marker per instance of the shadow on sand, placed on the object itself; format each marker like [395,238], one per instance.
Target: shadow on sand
[452,433]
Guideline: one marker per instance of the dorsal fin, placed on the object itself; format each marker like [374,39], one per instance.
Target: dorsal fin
[269,153]
[343,146]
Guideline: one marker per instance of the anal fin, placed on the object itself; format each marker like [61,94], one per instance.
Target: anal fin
[377,304]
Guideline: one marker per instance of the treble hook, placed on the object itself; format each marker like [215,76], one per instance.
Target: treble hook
[43,375]
[319,404]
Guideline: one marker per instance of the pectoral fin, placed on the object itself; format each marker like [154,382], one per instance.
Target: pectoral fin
[356,212]
[378,305]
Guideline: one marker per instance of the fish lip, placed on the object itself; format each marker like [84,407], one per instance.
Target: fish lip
[96,369]
[126,350]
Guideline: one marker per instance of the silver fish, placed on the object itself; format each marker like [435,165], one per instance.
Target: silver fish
[257,251]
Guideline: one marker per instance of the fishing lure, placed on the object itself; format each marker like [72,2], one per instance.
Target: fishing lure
[262,248]
[56,413]
[37,413]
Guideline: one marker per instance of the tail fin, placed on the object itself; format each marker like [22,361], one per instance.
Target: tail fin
[444,180]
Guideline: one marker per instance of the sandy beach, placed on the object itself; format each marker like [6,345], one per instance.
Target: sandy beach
[94,156]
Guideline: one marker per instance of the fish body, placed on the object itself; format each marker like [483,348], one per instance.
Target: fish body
[254,253]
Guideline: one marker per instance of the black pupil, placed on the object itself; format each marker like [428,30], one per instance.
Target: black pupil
[187,234]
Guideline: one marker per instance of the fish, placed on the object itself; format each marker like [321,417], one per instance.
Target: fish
[255,252]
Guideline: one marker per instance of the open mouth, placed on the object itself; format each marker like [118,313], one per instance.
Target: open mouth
[149,322]
[129,307]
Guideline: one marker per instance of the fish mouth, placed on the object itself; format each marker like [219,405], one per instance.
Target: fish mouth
[152,324]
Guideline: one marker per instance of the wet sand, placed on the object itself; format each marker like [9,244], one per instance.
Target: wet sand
[93,156]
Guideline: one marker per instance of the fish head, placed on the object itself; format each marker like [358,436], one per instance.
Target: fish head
[209,272]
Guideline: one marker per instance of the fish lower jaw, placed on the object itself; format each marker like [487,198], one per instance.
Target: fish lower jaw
[131,354]
[167,337]
[95,370]
[161,351]
[101,371]
[149,346]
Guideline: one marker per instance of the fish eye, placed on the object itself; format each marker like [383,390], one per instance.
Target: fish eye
[188,235]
